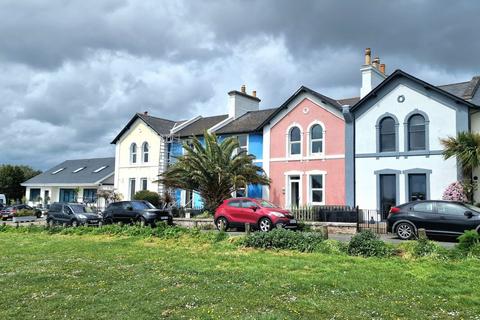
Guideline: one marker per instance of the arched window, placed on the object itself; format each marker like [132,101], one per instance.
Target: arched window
[295,141]
[133,153]
[145,149]
[387,135]
[416,132]
[316,139]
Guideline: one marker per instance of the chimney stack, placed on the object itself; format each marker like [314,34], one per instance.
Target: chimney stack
[382,68]
[254,93]
[368,56]
[145,113]
[376,62]
[240,102]
[243,89]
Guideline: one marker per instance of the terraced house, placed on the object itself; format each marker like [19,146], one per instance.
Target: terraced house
[393,149]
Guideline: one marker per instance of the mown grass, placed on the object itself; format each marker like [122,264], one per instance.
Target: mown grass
[68,276]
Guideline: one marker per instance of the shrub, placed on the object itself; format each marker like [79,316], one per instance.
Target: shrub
[24,213]
[368,244]
[455,192]
[421,248]
[332,247]
[284,239]
[468,240]
[204,215]
[152,197]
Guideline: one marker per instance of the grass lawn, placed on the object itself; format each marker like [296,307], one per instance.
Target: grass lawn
[99,277]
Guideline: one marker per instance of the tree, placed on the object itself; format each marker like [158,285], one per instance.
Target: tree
[150,196]
[214,170]
[11,177]
[466,148]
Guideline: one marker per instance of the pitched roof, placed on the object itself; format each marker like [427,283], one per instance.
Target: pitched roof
[159,125]
[348,101]
[327,100]
[465,90]
[197,127]
[249,122]
[63,173]
[399,73]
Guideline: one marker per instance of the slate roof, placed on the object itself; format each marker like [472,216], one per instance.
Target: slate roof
[249,122]
[159,125]
[400,73]
[198,127]
[327,100]
[87,176]
[465,90]
[348,101]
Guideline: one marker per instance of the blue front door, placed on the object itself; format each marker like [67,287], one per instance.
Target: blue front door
[67,195]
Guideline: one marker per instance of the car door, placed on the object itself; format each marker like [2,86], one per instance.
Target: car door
[247,214]
[66,214]
[423,215]
[234,211]
[452,217]
[127,213]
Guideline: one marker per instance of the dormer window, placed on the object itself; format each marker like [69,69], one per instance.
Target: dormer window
[79,169]
[100,169]
[58,170]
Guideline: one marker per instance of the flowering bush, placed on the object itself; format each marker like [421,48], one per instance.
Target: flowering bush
[455,192]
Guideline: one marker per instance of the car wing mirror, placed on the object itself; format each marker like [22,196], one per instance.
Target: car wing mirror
[254,208]
[468,214]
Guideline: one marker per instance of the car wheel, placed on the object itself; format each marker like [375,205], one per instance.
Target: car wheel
[51,223]
[75,223]
[108,221]
[265,225]
[405,231]
[142,222]
[220,221]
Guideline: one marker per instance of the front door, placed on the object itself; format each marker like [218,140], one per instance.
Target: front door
[294,191]
[388,193]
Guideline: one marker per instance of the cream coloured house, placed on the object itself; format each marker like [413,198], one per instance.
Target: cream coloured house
[141,154]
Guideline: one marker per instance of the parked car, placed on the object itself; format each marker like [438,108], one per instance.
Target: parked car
[73,214]
[3,199]
[139,211]
[447,218]
[9,211]
[260,213]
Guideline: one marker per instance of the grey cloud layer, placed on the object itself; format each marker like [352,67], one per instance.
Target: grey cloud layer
[73,72]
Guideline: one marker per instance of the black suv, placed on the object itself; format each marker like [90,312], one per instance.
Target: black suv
[448,218]
[139,211]
[74,214]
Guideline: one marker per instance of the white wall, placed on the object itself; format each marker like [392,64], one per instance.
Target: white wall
[442,119]
[442,123]
[124,170]
[475,127]
[443,173]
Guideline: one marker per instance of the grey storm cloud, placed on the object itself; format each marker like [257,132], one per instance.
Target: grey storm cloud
[72,73]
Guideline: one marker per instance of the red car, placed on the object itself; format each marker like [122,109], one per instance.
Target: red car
[260,213]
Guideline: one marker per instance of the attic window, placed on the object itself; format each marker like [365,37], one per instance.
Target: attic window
[100,169]
[79,169]
[58,170]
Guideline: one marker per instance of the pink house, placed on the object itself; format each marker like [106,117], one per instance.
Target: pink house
[304,151]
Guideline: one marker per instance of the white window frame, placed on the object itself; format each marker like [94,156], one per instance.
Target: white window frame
[145,153]
[133,153]
[141,183]
[246,139]
[130,187]
[310,140]
[288,142]
[310,189]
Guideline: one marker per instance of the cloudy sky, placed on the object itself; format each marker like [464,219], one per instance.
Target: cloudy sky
[72,73]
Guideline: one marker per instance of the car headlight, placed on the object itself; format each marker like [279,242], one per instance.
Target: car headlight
[82,216]
[278,214]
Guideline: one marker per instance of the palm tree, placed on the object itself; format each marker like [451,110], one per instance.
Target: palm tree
[214,170]
[466,148]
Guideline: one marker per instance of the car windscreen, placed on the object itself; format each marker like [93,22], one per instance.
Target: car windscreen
[267,204]
[472,208]
[80,209]
[142,205]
